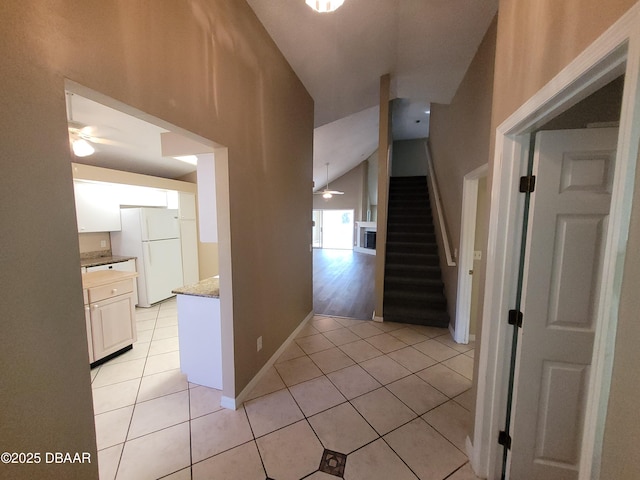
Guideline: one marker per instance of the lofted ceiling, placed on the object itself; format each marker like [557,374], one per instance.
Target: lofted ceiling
[425,45]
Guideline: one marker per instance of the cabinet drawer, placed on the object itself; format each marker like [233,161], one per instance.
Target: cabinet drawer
[97,294]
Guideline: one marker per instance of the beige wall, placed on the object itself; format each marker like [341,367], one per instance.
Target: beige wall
[536,39]
[353,184]
[384,145]
[409,158]
[459,140]
[207,66]
[91,242]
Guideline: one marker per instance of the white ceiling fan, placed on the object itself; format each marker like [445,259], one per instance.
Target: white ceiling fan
[327,193]
[81,136]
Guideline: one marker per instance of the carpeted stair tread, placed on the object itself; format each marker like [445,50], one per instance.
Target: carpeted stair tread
[413,281]
[415,258]
[409,270]
[401,281]
[433,318]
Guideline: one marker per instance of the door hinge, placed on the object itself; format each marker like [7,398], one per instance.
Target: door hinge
[515,318]
[504,439]
[527,184]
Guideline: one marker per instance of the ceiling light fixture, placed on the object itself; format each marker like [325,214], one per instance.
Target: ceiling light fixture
[324,6]
[82,148]
[328,193]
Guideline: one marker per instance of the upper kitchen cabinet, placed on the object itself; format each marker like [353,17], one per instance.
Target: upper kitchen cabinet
[97,208]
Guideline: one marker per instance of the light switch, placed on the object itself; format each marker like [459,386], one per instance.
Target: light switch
[477,255]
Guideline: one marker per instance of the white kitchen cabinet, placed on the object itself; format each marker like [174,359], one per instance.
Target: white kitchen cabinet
[187,206]
[128,266]
[109,312]
[87,319]
[97,208]
[188,238]
[111,325]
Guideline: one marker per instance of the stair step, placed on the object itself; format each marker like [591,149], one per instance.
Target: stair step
[411,227]
[429,299]
[413,271]
[403,258]
[394,282]
[407,247]
[412,237]
[432,318]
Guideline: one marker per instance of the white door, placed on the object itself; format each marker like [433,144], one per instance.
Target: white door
[566,235]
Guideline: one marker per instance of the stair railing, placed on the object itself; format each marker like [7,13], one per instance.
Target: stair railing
[451,261]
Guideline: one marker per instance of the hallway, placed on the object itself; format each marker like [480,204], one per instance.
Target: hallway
[395,399]
[343,283]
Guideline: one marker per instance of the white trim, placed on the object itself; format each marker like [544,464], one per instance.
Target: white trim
[375,318]
[618,233]
[466,250]
[600,62]
[234,403]
[451,261]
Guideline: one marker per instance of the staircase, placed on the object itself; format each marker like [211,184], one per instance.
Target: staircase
[413,288]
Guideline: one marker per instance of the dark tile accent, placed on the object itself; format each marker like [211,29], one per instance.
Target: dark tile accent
[333,463]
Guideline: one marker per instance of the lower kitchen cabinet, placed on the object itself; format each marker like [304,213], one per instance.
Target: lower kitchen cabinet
[109,312]
[111,325]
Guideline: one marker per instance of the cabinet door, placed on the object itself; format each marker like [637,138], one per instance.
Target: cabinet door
[87,318]
[97,208]
[187,205]
[111,325]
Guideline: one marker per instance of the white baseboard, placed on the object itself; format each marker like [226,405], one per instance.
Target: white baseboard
[234,403]
[375,318]
[471,454]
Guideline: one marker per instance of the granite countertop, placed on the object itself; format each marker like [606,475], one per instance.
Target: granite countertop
[209,287]
[95,261]
[104,277]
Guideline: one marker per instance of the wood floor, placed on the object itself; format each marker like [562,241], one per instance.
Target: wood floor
[343,283]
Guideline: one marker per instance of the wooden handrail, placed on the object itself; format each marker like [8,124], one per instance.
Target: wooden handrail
[451,261]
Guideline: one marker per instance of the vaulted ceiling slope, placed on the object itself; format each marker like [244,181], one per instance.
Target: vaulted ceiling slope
[426,46]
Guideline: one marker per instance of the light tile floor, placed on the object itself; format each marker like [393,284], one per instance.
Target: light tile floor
[383,400]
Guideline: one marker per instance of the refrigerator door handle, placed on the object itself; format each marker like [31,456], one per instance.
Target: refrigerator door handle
[146,247]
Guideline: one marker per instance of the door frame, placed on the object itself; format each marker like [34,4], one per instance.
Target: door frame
[616,51]
[467,247]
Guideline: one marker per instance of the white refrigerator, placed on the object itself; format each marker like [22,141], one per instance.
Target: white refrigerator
[153,236]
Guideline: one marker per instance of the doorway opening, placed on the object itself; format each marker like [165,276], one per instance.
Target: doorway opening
[473,228]
[115,137]
[333,229]
[609,57]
